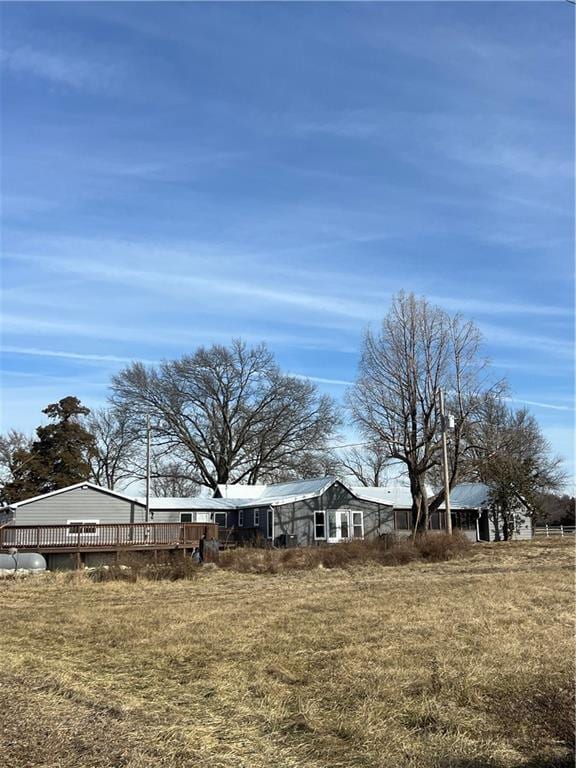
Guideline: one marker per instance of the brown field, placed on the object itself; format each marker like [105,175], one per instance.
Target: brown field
[466,664]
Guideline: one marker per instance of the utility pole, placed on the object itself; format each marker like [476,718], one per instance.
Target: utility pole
[147,469]
[444,422]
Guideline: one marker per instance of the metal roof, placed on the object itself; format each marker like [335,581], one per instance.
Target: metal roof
[240,491]
[297,488]
[469,496]
[192,502]
[398,496]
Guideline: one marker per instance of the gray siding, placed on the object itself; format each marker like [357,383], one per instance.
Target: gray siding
[298,517]
[79,504]
[522,526]
[173,515]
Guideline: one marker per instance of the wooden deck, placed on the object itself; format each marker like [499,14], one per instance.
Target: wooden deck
[107,537]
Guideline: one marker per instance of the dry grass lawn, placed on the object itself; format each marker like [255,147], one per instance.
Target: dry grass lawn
[465,664]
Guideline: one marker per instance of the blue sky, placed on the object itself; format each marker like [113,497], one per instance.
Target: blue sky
[179,174]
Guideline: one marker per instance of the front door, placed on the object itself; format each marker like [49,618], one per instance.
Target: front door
[338,525]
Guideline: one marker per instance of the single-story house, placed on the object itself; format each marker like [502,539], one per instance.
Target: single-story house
[307,512]
[298,513]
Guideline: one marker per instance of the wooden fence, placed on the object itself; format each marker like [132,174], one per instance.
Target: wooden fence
[86,536]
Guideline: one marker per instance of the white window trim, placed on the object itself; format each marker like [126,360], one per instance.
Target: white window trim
[240,518]
[81,522]
[188,513]
[256,518]
[356,512]
[320,512]
[270,528]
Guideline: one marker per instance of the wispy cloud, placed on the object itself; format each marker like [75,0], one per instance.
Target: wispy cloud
[537,404]
[322,380]
[507,337]
[515,160]
[79,356]
[57,67]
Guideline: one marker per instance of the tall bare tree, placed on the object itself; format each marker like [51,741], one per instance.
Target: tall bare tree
[419,351]
[117,457]
[367,465]
[172,478]
[14,450]
[507,451]
[231,413]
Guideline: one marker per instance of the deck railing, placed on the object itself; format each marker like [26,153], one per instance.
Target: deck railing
[114,535]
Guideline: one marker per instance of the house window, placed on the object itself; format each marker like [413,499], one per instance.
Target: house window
[402,519]
[256,518]
[436,521]
[85,527]
[186,517]
[344,525]
[270,521]
[240,519]
[466,520]
[357,525]
[332,525]
[320,525]
[220,519]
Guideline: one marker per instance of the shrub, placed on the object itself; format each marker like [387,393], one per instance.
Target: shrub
[386,550]
[437,547]
[170,567]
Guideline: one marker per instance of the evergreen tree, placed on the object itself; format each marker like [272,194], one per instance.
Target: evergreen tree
[60,456]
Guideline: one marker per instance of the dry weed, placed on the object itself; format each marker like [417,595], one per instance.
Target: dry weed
[459,664]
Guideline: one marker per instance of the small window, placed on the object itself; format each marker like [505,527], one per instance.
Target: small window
[436,521]
[402,519]
[270,523]
[465,520]
[186,517]
[320,525]
[84,527]
[344,525]
[256,518]
[357,525]
[220,519]
[240,519]
[332,525]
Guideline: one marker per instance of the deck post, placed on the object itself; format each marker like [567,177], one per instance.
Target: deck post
[562,531]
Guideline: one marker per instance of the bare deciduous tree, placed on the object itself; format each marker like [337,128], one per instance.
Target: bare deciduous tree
[171,478]
[14,448]
[419,351]
[118,448]
[367,465]
[507,451]
[231,413]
